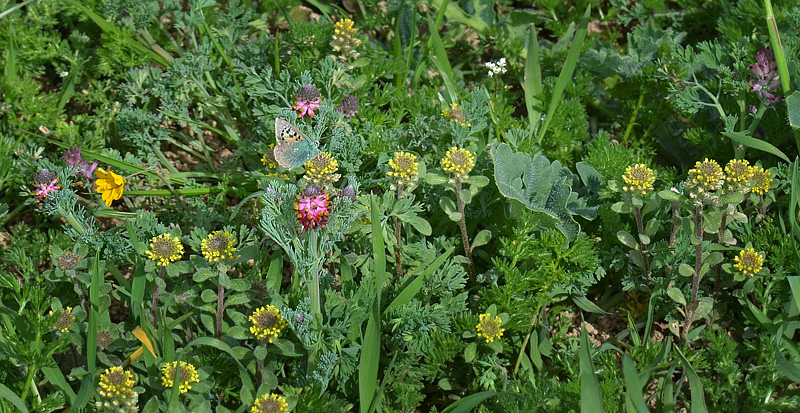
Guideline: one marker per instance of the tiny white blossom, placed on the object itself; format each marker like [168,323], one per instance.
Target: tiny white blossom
[64,74]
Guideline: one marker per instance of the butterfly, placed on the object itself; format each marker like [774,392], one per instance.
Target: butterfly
[293,148]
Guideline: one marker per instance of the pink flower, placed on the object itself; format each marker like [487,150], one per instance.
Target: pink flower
[45,182]
[74,159]
[767,79]
[307,100]
[313,208]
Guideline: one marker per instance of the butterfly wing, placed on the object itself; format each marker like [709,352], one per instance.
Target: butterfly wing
[293,148]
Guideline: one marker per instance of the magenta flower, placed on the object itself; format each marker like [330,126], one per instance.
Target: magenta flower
[74,159]
[349,106]
[313,208]
[767,79]
[307,100]
[45,182]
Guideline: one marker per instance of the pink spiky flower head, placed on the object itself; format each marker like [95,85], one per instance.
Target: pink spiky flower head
[45,182]
[313,207]
[307,100]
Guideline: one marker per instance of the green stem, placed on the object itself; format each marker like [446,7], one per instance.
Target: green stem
[156,293]
[464,236]
[642,246]
[780,57]
[698,263]
[632,122]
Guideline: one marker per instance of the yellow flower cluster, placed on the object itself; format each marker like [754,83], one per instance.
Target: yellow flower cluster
[459,162]
[456,115]
[267,323]
[706,176]
[116,390]
[64,321]
[268,159]
[109,185]
[638,178]
[218,246]
[489,327]
[165,249]
[761,180]
[344,40]
[270,403]
[405,170]
[187,376]
[749,262]
[321,170]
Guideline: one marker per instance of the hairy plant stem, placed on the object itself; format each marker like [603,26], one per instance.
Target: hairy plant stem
[156,292]
[398,232]
[463,226]
[698,262]
[220,305]
[642,246]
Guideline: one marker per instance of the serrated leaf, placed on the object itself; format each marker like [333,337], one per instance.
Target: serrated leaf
[543,187]
[677,296]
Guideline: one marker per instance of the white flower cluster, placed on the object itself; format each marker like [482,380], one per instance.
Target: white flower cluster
[497,68]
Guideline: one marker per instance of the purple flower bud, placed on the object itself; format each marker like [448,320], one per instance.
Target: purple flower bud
[349,106]
[348,192]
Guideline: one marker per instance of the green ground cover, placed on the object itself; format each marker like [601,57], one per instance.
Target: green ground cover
[399,206]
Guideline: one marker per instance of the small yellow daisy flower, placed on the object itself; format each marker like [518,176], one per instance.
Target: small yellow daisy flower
[165,249]
[218,246]
[761,180]
[458,162]
[456,115]
[64,321]
[404,170]
[270,403]
[267,323]
[706,176]
[749,262]
[638,178]
[489,327]
[321,170]
[187,375]
[116,391]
